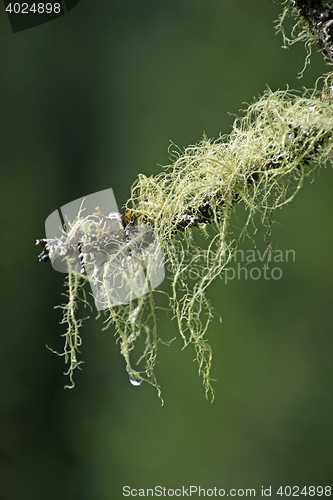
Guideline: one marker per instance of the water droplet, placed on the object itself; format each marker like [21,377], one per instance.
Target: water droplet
[135,382]
[134,314]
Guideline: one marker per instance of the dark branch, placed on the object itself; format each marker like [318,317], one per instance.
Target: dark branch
[319,18]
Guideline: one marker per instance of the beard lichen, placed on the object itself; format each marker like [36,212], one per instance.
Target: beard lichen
[313,26]
[282,138]
[300,32]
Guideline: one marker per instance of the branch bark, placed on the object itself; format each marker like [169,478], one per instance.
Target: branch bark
[319,18]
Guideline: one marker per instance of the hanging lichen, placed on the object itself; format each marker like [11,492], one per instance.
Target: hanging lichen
[281,139]
[313,26]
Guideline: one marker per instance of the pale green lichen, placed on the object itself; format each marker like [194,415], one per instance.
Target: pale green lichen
[313,26]
[282,138]
[300,32]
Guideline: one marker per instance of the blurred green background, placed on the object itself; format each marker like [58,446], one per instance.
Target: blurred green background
[89,101]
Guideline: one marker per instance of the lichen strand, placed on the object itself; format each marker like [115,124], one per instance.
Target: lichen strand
[314,26]
[280,140]
[75,283]
[132,320]
[96,251]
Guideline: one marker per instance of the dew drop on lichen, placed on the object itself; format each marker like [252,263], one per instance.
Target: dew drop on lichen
[135,382]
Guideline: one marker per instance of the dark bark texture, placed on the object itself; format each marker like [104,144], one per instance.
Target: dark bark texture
[319,18]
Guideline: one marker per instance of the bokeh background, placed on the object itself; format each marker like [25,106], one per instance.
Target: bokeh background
[89,101]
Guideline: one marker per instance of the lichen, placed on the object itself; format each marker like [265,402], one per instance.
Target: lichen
[282,138]
[300,32]
[313,26]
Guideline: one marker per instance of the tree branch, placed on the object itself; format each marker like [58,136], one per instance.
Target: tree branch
[319,18]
